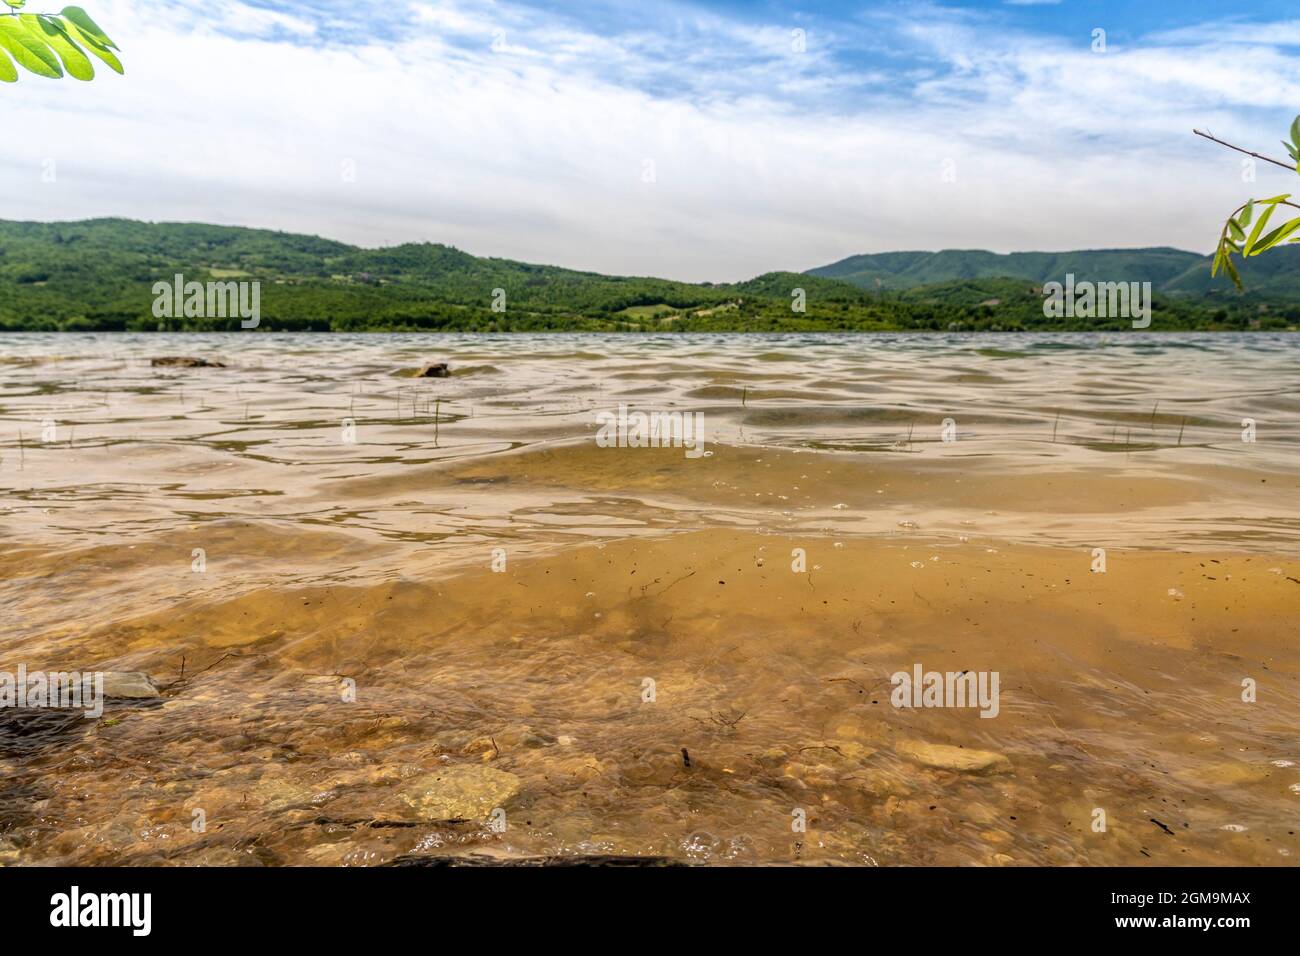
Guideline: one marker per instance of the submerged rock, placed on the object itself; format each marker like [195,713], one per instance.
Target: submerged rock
[132,684]
[962,759]
[469,792]
[184,361]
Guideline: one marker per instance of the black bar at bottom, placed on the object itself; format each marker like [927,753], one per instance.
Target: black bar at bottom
[668,903]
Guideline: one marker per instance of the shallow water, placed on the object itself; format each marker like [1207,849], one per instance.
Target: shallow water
[350,517]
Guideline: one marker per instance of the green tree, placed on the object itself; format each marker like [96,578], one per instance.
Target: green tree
[1255,215]
[52,44]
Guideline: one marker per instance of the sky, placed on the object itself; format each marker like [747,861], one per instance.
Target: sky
[693,140]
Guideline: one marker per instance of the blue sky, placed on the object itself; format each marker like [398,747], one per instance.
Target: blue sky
[692,139]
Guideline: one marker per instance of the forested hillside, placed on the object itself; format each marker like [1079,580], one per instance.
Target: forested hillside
[99,275]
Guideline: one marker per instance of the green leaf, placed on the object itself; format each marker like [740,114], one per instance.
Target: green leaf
[16,4]
[1295,131]
[30,52]
[1247,213]
[94,46]
[1282,198]
[8,72]
[81,19]
[1276,236]
[1235,229]
[51,31]
[1232,272]
[1259,227]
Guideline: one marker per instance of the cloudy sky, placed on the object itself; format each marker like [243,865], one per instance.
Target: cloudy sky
[696,140]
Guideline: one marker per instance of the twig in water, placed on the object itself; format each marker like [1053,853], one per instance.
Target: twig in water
[1180,431]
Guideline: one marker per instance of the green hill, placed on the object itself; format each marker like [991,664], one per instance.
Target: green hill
[905,270]
[99,275]
[1274,277]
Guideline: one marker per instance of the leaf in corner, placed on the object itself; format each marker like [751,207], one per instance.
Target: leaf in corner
[50,30]
[94,46]
[1232,273]
[8,72]
[1259,228]
[81,19]
[30,52]
[1276,236]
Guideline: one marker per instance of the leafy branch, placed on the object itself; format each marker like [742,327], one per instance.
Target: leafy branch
[1233,238]
[50,44]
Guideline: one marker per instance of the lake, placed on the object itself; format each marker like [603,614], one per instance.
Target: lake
[390,616]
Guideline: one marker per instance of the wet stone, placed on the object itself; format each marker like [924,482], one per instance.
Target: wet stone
[184,361]
[468,792]
[134,685]
[961,759]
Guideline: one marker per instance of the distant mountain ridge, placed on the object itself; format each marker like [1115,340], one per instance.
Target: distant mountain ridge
[1172,271]
[99,274]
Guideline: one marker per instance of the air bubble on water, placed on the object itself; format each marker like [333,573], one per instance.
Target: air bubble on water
[1233,828]
[838,544]
[918,564]
[1174,593]
[841,507]
[1283,763]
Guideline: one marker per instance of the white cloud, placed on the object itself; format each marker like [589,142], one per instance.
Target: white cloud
[764,158]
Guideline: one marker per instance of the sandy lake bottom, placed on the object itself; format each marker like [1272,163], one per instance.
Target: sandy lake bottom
[401,619]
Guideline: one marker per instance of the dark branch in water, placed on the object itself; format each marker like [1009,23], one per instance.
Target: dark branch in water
[1267,159]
